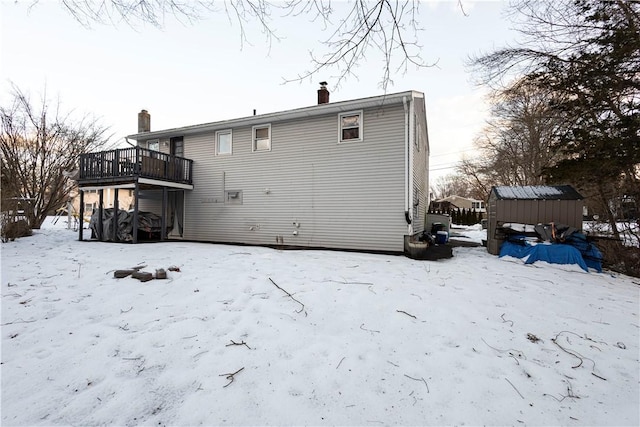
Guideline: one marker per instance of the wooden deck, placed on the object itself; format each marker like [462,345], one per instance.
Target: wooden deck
[128,165]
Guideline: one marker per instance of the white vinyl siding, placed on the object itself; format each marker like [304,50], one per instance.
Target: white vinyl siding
[347,196]
[150,201]
[420,167]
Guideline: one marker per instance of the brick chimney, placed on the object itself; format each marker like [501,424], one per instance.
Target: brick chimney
[323,94]
[144,121]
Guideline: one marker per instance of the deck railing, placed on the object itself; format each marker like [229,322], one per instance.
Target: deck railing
[134,162]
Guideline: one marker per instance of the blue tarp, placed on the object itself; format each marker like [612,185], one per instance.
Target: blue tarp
[590,253]
[555,254]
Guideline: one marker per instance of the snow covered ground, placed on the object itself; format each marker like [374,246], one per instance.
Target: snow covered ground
[363,339]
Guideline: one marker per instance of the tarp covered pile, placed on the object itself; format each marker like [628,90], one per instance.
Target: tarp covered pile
[553,243]
[148,222]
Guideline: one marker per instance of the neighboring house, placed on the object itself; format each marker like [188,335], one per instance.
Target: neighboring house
[91,200]
[458,202]
[343,175]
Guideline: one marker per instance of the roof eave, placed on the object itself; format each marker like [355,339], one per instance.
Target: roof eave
[314,110]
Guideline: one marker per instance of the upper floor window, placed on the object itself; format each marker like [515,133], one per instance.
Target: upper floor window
[261,138]
[154,144]
[350,126]
[223,142]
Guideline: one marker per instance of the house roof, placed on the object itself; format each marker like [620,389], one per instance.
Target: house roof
[537,192]
[455,199]
[298,113]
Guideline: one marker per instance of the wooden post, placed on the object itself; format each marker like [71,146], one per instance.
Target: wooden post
[100,214]
[165,197]
[116,210]
[134,227]
[81,218]
[136,167]
[115,163]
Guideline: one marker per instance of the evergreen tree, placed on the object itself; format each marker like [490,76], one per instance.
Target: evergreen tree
[585,54]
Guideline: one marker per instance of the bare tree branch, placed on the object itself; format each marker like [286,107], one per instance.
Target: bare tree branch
[358,30]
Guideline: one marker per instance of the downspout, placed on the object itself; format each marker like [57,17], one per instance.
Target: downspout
[407,214]
[411,151]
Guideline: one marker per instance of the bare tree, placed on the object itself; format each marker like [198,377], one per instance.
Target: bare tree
[587,54]
[452,184]
[475,174]
[357,29]
[40,145]
[518,142]
[588,51]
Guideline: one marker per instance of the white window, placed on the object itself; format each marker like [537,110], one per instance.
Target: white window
[154,144]
[262,138]
[223,142]
[350,126]
[477,205]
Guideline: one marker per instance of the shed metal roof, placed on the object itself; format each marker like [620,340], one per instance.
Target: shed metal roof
[537,192]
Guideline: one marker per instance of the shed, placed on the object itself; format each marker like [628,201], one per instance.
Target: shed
[540,204]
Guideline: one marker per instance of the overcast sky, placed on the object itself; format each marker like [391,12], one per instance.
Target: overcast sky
[186,74]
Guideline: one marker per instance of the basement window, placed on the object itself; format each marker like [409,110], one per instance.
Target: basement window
[223,142]
[261,138]
[350,126]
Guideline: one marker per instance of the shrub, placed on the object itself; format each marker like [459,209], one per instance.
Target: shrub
[11,230]
[619,258]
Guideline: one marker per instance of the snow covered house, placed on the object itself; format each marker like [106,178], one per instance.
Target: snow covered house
[458,202]
[343,175]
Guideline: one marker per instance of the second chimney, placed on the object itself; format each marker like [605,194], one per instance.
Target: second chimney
[323,94]
[144,121]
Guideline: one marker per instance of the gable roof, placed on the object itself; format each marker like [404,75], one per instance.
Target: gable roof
[536,192]
[298,113]
[456,199]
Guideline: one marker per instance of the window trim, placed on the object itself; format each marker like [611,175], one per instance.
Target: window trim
[153,141]
[223,132]
[360,126]
[254,145]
